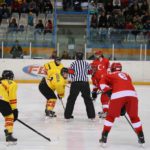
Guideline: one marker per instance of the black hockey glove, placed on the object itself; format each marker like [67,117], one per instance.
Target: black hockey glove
[15,113]
[123,111]
[94,95]
[109,93]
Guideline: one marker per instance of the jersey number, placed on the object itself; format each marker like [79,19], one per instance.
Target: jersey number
[122,76]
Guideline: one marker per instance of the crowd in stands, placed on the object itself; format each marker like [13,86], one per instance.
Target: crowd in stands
[31,10]
[7,7]
[121,14]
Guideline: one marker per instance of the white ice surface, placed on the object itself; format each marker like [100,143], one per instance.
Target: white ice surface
[77,134]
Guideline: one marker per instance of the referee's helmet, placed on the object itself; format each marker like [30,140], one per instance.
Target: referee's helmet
[79,55]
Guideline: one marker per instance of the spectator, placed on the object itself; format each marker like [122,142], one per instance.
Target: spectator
[147,28]
[145,6]
[138,26]
[16,51]
[116,4]
[33,7]
[120,20]
[110,20]
[94,21]
[65,55]
[66,4]
[30,19]
[48,7]
[39,25]
[0,14]
[5,11]
[109,8]
[102,21]
[145,17]
[48,27]
[54,55]
[38,28]
[24,7]
[13,26]
[135,9]
[77,5]
[15,7]
[0,53]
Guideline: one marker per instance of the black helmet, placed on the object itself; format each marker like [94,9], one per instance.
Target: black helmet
[64,70]
[8,74]
[79,55]
[57,58]
[57,61]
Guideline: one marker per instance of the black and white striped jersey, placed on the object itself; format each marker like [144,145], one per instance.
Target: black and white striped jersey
[81,68]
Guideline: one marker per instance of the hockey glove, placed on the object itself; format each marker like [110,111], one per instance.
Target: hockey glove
[59,97]
[123,111]
[15,113]
[109,93]
[94,95]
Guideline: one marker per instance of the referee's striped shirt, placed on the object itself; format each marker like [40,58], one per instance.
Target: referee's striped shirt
[81,68]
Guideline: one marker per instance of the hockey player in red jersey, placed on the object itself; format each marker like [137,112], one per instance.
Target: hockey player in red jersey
[123,95]
[100,67]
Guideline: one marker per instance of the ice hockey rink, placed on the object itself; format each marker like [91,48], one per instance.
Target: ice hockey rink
[79,133]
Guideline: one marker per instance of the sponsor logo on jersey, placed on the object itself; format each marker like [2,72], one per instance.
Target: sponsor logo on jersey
[34,70]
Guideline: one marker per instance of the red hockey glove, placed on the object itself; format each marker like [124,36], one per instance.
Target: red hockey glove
[71,71]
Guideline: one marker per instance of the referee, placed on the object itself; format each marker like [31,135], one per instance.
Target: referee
[79,84]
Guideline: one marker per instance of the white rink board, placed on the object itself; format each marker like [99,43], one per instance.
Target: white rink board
[139,70]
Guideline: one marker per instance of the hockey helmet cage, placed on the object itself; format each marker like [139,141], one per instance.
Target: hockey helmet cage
[79,55]
[99,53]
[8,74]
[64,70]
[116,67]
[57,58]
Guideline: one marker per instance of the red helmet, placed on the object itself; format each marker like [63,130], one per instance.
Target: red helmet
[116,67]
[98,54]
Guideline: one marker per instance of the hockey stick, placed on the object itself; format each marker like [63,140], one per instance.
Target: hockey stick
[129,123]
[34,130]
[62,103]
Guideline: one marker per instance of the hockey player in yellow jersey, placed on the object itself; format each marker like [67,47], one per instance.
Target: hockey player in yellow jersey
[53,67]
[8,103]
[55,83]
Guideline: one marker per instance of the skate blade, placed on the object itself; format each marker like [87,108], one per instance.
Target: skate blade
[142,145]
[11,143]
[49,117]
[101,117]
[103,145]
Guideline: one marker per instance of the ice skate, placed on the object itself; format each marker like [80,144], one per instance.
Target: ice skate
[103,139]
[50,113]
[6,132]
[102,114]
[10,139]
[71,117]
[141,139]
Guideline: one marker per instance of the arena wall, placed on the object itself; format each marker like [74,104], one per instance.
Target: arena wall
[31,70]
